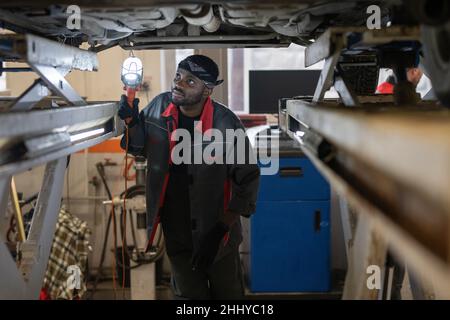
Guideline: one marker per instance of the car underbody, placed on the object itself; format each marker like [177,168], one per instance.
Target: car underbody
[177,25]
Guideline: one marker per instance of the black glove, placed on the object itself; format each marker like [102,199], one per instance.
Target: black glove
[206,252]
[125,111]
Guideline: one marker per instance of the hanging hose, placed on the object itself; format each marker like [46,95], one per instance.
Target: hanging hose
[133,233]
[129,193]
[139,190]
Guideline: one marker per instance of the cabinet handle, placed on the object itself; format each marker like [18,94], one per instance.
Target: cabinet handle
[291,172]
[317,220]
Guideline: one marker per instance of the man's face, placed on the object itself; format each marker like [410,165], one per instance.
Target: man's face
[187,89]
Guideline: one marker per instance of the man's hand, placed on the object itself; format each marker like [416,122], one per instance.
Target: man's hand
[126,112]
[205,254]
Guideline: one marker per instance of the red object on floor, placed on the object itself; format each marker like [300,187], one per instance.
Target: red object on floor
[43,295]
[253,120]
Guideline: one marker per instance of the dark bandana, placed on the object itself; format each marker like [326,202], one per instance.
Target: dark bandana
[203,68]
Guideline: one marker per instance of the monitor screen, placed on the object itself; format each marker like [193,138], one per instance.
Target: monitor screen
[266,87]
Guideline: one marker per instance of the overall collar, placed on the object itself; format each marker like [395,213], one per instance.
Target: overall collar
[206,117]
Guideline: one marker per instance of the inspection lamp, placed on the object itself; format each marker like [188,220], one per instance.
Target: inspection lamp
[132,72]
[131,77]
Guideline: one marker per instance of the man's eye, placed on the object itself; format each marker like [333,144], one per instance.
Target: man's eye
[191,82]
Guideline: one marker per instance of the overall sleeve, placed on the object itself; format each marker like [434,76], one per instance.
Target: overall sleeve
[244,177]
[136,138]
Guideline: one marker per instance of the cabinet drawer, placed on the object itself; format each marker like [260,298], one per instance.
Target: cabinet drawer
[296,179]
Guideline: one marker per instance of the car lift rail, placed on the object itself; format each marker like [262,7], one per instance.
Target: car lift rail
[31,136]
[388,161]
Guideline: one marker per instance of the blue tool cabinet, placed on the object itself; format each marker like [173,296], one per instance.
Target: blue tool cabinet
[286,244]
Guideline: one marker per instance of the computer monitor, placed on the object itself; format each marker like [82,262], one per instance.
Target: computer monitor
[266,87]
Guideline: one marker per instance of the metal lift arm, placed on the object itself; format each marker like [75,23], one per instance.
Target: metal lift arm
[391,162]
[30,137]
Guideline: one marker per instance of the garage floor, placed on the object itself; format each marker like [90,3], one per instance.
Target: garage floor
[105,291]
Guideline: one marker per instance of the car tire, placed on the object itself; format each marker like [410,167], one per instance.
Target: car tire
[436,47]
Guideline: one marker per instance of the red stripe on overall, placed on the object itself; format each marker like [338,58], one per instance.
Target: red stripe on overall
[206,123]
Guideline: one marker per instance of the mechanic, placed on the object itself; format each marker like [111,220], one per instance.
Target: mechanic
[421,83]
[199,205]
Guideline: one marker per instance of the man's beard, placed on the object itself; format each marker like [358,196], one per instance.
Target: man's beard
[186,101]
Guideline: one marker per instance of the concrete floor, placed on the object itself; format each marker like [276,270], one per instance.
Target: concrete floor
[105,291]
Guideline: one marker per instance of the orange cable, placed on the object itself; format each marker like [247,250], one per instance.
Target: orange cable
[124,216]
[132,177]
[115,239]
[115,242]
[113,212]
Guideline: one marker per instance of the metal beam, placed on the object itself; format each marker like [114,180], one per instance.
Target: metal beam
[58,84]
[399,241]
[36,250]
[51,60]
[5,183]
[323,47]
[389,35]
[326,77]
[22,165]
[392,148]
[35,137]
[41,140]
[149,40]
[349,220]
[401,143]
[27,100]
[346,94]
[12,285]
[42,121]
[337,37]
[26,281]
[41,51]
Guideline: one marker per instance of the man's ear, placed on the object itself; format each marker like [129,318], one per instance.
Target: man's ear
[207,92]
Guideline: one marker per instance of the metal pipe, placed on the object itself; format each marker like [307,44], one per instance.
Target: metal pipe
[15,70]
[202,16]
[140,168]
[269,36]
[18,212]
[83,198]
